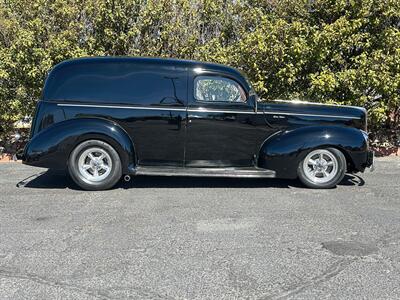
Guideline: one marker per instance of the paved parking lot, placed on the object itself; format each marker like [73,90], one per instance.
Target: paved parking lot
[199,238]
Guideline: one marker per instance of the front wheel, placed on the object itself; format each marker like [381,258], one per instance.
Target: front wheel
[322,168]
[95,165]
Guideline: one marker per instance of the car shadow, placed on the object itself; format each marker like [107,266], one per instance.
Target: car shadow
[352,179]
[52,179]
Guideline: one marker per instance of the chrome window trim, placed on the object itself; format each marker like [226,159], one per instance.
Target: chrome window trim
[208,110]
[223,78]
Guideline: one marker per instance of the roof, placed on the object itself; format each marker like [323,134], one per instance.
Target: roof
[68,77]
[150,60]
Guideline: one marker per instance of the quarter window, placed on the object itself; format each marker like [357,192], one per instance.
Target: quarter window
[218,89]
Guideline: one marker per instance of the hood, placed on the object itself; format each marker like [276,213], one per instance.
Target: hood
[353,116]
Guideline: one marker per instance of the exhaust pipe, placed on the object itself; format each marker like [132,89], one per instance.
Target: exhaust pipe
[127,178]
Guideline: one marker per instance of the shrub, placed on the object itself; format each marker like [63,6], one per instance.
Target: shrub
[341,51]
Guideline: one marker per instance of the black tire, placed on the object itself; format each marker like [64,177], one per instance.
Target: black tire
[107,176]
[338,172]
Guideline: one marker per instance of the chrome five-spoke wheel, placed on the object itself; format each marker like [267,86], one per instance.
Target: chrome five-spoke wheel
[322,168]
[95,165]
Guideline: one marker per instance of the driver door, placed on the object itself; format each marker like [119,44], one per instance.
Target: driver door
[222,126]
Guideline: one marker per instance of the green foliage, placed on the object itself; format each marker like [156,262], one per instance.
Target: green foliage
[340,51]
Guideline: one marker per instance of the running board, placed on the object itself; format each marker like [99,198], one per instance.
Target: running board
[205,172]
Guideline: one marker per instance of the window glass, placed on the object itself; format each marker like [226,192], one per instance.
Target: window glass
[218,89]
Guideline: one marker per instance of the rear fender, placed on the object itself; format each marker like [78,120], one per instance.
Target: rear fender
[283,151]
[51,147]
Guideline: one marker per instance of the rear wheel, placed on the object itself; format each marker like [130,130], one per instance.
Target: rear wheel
[95,165]
[322,168]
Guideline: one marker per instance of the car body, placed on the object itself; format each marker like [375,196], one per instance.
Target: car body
[181,117]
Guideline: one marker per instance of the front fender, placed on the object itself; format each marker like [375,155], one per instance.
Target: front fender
[283,151]
[51,147]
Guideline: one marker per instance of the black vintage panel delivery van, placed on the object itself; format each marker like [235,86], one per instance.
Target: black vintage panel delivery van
[105,117]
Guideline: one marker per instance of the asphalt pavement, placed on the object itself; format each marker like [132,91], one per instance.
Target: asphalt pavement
[199,238]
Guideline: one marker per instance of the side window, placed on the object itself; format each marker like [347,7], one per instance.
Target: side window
[218,89]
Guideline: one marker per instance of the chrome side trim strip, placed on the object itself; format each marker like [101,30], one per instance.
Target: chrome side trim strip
[315,103]
[223,111]
[272,113]
[310,115]
[208,110]
[123,107]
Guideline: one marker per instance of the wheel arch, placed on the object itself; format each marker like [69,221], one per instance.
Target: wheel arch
[350,165]
[128,161]
[52,147]
[343,150]
[283,151]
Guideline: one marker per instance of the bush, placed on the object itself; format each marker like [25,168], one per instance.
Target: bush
[341,51]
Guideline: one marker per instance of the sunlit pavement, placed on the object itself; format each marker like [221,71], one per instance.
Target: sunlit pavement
[199,238]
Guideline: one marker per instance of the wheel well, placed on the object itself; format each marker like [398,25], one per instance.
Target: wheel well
[349,160]
[100,137]
[123,156]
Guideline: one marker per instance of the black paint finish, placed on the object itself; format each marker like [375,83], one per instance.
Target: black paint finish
[285,149]
[51,146]
[146,109]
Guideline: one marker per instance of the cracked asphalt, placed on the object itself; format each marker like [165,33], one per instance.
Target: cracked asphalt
[199,238]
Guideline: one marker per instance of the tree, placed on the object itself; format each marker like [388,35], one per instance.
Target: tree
[339,51]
